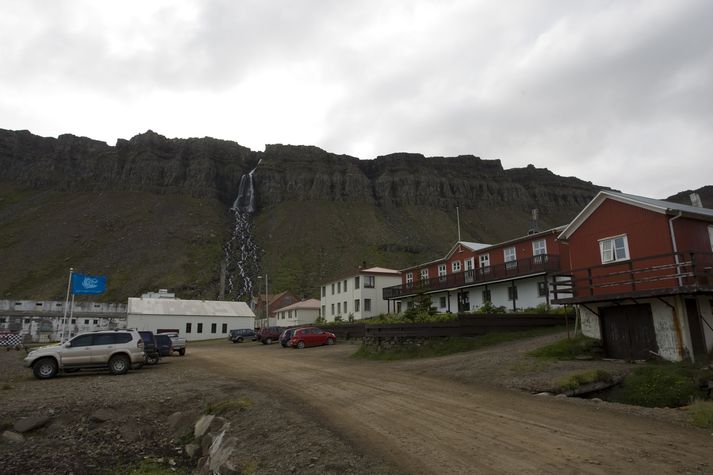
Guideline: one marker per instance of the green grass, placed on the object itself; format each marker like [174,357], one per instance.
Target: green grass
[575,381]
[446,346]
[227,406]
[661,385]
[701,413]
[567,349]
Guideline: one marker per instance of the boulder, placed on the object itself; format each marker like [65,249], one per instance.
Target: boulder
[104,414]
[27,424]
[203,425]
[10,436]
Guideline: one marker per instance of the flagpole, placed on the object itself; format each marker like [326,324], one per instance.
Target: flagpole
[66,302]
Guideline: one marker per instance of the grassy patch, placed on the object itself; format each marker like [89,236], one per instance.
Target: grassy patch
[249,467]
[227,406]
[568,348]
[660,385]
[447,346]
[702,414]
[575,381]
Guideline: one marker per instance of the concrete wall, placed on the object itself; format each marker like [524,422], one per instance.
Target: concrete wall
[300,316]
[375,294]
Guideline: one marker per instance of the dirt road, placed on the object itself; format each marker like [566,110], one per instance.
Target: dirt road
[428,424]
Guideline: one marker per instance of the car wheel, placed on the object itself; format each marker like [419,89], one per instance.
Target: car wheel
[152,359]
[330,341]
[240,340]
[119,364]
[268,341]
[301,345]
[182,351]
[45,368]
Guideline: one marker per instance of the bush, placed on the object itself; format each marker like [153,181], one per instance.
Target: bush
[577,380]
[488,307]
[227,406]
[659,385]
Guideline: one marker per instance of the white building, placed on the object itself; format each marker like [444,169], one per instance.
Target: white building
[192,319]
[299,313]
[359,295]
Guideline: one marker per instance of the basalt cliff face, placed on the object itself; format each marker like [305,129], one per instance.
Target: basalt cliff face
[154,212]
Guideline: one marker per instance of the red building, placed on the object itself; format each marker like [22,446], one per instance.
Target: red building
[513,274]
[640,271]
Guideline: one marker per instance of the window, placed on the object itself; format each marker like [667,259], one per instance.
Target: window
[345,285]
[324,311]
[369,282]
[441,270]
[456,266]
[58,304]
[332,309]
[542,289]
[614,249]
[510,257]
[409,279]
[424,275]
[332,289]
[96,305]
[2,319]
[324,291]
[356,282]
[82,340]
[443,302]
[468,263]
[213,327]
[339,287]
[512,293]
[539,247]
[225,328]
[38,304]
[200,328]
[345,307]
[484,260]
[103,339]
[74,320]
[710,236]
[96,321]
[188,327]
[86,322]
[486,296]
[339,308]
[356,305]
[367,305]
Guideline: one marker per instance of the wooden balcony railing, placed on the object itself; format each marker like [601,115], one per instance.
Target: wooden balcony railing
[481,275]
[677,270]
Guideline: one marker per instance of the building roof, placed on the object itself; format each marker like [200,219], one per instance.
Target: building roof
[310,304]
[477,246]
[203,308]
[657,206]
[370,270]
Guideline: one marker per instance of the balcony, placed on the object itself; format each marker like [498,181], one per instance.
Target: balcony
[482,275]
[651,276]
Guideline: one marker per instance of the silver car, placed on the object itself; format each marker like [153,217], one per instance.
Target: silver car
[117,350]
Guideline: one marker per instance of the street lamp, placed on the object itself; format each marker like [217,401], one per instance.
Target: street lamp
[267,303]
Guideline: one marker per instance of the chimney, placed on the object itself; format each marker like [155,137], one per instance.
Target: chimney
[534,225]
[363,265]
[696,200]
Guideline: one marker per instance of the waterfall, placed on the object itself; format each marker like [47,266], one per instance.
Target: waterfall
[241,251]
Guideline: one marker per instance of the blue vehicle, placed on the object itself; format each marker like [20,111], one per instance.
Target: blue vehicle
[163,344]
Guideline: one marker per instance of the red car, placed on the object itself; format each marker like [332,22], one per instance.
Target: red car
[311,336]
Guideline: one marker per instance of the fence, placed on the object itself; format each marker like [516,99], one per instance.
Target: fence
[464,325]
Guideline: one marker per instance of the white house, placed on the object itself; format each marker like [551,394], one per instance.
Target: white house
[359,295]
[299,313]
[192,319]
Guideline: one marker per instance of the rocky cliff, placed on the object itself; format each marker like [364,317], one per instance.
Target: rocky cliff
[318,213]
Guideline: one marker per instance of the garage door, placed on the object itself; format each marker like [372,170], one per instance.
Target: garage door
[628,331]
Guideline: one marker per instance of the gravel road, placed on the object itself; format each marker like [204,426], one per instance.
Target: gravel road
[319,410]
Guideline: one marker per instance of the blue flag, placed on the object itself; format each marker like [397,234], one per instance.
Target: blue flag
[88,284]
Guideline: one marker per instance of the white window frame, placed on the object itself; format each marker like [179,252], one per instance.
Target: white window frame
[710,236]
[538,249]
[469,263]
[424,274]
[484,260]
[510,257]
[608,249]
[409,278]
[455,266]
[442,270]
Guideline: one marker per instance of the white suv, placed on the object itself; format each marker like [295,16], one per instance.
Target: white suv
[117,350]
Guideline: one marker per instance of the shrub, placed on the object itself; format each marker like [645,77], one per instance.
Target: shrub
[577,380]
[226,406]
[659,385]
[488,307]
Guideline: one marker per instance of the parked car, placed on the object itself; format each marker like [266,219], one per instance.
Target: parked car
[178,344]
[150,349]
[241,335]
[163,344]
[285,337]
[269,334]
[311,336]
[117,350]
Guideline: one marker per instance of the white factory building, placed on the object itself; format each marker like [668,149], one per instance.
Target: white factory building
[192,319]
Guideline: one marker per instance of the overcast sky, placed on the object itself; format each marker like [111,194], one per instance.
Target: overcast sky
[619,93]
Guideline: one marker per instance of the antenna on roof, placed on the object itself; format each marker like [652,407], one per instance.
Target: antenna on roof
[458,220]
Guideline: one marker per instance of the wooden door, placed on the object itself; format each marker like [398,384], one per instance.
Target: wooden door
[628,331]
[698,342]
